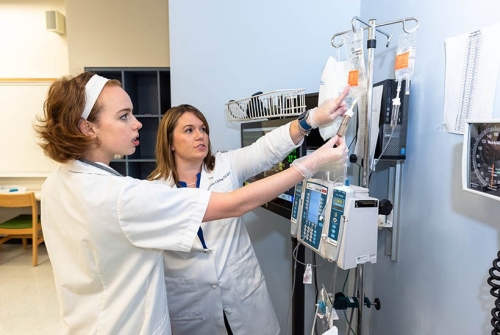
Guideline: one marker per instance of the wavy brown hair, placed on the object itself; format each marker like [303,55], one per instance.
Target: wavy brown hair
[59,135]
[165,161]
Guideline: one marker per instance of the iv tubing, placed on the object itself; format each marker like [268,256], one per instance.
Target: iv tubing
[396,102]
[382,152]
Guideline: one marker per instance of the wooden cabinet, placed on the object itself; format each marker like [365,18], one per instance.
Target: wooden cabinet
[149,90]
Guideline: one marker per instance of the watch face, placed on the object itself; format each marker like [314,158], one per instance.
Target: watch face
[484,167]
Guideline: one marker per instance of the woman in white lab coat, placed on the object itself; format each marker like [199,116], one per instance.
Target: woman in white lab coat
[218,287]
[104,232]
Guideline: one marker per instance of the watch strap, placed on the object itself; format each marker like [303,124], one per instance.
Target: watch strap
[303,123]
[304,127]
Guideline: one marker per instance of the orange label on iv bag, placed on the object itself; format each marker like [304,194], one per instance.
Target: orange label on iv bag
[352,80]
[402,61]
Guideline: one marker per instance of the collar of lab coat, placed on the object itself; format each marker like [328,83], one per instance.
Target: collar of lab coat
[80,167]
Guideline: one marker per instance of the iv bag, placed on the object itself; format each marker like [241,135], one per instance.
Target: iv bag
[340,74]
[332,81]
[357,72]
[405,58]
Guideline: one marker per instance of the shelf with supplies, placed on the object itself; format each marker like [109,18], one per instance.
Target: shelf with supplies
[260,106]
[149,90]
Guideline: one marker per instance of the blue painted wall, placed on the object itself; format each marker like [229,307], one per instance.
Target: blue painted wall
[448,237]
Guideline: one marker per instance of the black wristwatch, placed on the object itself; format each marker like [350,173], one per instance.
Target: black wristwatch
[304,127]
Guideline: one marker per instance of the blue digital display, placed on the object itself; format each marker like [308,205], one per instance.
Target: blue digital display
[296,200]
[337,210]
[313,208]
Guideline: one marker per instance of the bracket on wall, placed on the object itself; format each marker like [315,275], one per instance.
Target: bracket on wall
[394,195]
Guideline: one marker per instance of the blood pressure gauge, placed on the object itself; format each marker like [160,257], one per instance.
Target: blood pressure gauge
[481,158]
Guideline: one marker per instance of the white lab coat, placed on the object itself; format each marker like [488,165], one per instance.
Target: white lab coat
[201,285]
[104,236]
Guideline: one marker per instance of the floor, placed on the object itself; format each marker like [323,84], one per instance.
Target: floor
[28,302]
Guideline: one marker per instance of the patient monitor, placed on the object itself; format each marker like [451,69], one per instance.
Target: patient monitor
[337,221]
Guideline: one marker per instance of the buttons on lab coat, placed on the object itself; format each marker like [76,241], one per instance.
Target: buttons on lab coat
[214,286]
[227,310]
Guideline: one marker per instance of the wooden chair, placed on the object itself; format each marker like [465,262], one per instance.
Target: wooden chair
[23,226]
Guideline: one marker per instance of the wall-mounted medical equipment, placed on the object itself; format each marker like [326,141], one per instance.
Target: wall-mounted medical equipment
[337,221]
[481,158]
[392,130]
[388,130]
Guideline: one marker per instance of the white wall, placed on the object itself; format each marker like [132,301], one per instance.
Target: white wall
[223,50]
[123,33]
[107,34]
[29,50]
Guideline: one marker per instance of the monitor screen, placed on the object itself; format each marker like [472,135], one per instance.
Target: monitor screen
[250,133]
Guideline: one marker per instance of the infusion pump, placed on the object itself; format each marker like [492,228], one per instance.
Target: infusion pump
[337,221]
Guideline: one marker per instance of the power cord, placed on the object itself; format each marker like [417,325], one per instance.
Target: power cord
[494,282]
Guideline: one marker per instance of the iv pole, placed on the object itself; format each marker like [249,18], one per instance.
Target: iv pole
[371,44]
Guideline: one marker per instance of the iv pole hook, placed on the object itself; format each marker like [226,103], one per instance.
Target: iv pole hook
[389,36]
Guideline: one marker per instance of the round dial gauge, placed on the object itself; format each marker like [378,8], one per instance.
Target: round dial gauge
[486,158]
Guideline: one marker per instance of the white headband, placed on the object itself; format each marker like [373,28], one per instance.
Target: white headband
[92,90]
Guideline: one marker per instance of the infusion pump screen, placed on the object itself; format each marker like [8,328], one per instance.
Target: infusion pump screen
[313,209]
[338,203]
[315,200]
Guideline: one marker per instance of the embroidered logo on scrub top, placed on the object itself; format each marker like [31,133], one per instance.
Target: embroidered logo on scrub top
[219,180]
